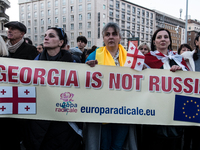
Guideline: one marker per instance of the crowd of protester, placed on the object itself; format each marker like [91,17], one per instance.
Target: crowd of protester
[28,134]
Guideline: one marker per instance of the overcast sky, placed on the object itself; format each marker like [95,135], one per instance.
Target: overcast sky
[171,7]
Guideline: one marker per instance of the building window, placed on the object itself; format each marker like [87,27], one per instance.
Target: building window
[143,21]
[72,36]
[72,26]
[64,19]
[42,21]
[89,43]
[133,18]
[80,1]
[35,22]
[128,17]
[49,4]
[133,10]
[123,6]
[42,29]
[49,12]
[89,16]
[111,3]
[72,17]
[111,12]
[49,21]
[64,10]
[89,25]
[128,25]
[138,27]
[29,30]
[123,24]
[56,3]
[117,4]
[42,13]
[29,22]
[64,27]
[104,6]
[35,14]
[104,16]
[29,15]
[147,14]
[89,34]
[63,2]
[80,8]
[80,33]
[147,22]
[189,39]
[80,17]
[133,26]
[151,15]
[89,6]
[41,5]
[117,13]
[35,38]
[72,8]
[72,44]
[138,19]
[142,29]
[138,11]
[28,8]
[56,11]
[35,7]
[35,30]
[129,8]
[143,13]
[80,26]
[22,8]
[56,19]
[123,15]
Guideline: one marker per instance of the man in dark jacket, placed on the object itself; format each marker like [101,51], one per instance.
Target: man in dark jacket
[17,47]
[12,128]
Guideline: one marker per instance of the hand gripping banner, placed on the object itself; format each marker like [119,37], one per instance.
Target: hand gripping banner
[76,92]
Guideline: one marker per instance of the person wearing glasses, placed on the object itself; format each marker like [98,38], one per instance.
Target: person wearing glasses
[49,135]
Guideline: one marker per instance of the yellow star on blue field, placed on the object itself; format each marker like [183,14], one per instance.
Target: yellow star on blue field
[187,108]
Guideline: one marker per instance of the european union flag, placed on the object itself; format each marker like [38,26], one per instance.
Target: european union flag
[187,108]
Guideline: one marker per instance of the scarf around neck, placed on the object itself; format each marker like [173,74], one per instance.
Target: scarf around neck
[13,48]
[104,57]
[155,59]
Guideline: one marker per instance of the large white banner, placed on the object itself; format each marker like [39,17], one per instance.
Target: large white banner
[76,92]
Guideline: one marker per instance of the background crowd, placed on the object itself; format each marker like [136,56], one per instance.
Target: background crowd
[56,135]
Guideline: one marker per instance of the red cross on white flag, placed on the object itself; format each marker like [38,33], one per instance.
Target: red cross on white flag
[17,100]
[134,59]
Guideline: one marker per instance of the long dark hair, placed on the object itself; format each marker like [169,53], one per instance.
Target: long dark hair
[195,56]
[61,34]
[153,47]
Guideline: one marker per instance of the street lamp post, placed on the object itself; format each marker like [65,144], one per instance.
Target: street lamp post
[177,28]
[186,21]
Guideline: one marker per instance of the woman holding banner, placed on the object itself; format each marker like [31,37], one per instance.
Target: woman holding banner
[161,56]
[41,134]
[109,136]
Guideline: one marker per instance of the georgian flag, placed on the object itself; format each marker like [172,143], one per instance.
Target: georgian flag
[17,100]
[134,59]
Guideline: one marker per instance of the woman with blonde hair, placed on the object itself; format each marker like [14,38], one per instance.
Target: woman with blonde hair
[144,48]
[3,48]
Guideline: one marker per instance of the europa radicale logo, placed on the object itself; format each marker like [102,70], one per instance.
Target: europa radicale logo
[67,105]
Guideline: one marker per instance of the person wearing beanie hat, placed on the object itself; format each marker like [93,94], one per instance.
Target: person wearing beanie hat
[17,47]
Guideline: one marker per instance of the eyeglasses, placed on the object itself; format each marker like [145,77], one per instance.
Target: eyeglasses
[62,31]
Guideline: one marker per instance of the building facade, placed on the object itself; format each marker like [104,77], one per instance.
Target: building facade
[87,18]
[193,29]
[175,26]
[4,4]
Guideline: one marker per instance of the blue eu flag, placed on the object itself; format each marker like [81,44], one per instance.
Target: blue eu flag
[187,109]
